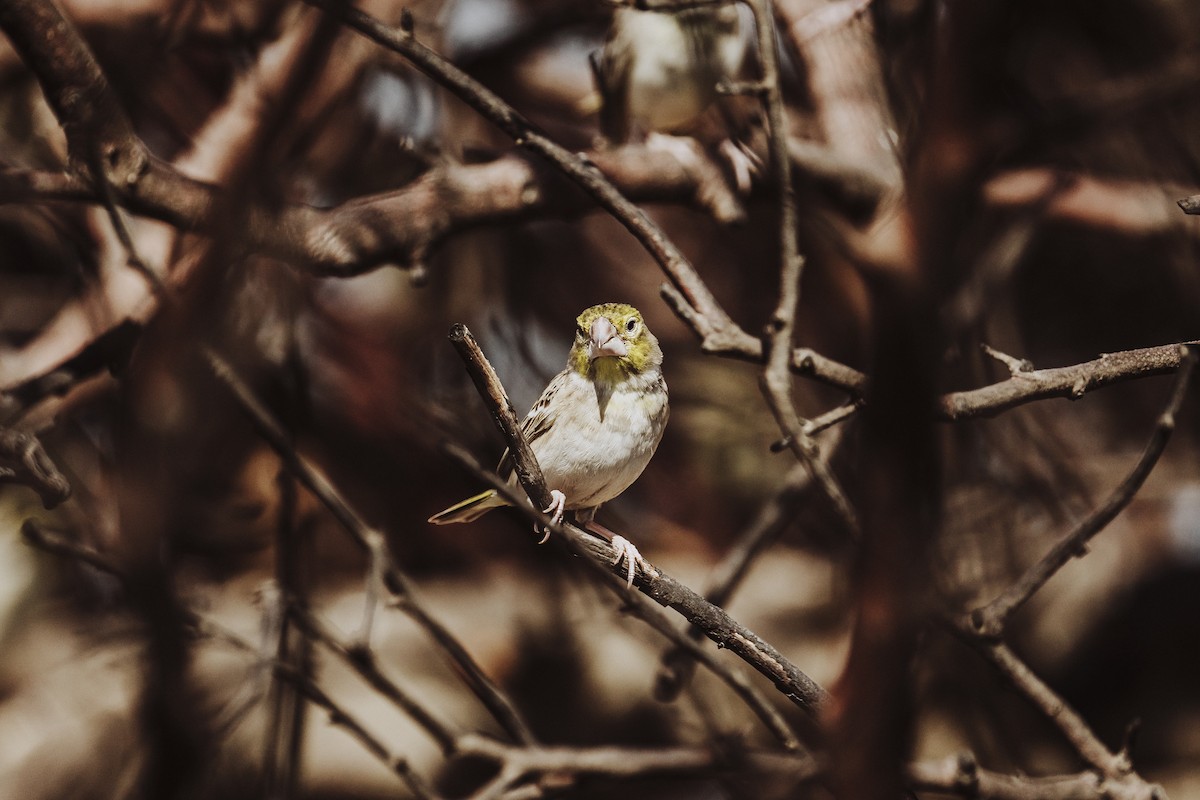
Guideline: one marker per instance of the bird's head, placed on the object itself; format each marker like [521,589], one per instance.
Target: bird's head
[613,342]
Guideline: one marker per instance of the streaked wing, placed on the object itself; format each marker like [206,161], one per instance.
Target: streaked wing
[536,423]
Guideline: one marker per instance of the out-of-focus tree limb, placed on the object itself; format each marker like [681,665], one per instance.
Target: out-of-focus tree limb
[961,776]
[23,461]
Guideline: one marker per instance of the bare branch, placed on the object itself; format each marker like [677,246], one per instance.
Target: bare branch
[776,379]
[519,764]
[362,661]
[990,620]
[338,715]
[718,330]
[397,584]
[960,776]
[1070,382]
[1049,703]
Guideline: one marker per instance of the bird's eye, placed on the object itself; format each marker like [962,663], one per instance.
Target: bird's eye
[580,332]
[631,325]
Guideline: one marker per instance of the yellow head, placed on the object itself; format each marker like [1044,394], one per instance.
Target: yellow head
[612,342]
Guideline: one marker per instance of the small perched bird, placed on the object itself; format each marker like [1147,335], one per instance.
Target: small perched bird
[595,426]
[658,74]
[659,68]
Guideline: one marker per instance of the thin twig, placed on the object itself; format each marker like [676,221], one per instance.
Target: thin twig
[520,764]
[338,715]
[776,379]
[596,553]
[24,461]
[718,330]
[285,728]
[772,519]
[36,536]
[362,661]
[961,776]
[990,620]
[1048,702]
[399,587]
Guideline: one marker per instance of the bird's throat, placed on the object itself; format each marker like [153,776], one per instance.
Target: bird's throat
[607,374]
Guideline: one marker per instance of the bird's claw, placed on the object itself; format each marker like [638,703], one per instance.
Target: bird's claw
[556,509]
[623,550]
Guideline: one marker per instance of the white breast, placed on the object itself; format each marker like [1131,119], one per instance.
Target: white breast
[592,458]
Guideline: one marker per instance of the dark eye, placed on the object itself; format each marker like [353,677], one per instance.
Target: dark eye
[631,325]
[580,332]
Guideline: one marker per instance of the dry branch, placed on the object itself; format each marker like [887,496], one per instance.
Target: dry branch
[990,620]
[24,462]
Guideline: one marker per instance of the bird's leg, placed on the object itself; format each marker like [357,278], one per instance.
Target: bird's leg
[623,550]
[558,505]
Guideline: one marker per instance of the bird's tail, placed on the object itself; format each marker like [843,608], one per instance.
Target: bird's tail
[470,509]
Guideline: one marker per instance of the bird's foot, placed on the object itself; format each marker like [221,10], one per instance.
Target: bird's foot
[556,509]
[623,550]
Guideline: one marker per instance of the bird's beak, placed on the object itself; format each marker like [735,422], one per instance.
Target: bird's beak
[605,341]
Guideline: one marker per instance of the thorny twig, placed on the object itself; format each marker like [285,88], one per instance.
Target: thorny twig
[519,764]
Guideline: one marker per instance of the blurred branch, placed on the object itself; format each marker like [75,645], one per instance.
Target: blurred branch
[400,589]
[520,764]
[76,89]
[989,621]
[659,586]
[961,776]
[1189,204]
[360,235]
[1126,207]
[24,462]
[1112,766]
[36,536]
[284,737]
[836,41]
[338,716]
[362,660]
[696,304]
[764,530]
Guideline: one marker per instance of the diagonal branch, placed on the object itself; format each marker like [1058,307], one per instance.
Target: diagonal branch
[990,620]
[402,593]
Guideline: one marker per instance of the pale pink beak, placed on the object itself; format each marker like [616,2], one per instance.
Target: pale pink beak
[605,341]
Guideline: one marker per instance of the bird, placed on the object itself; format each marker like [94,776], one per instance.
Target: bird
[595,427]
[658,74]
